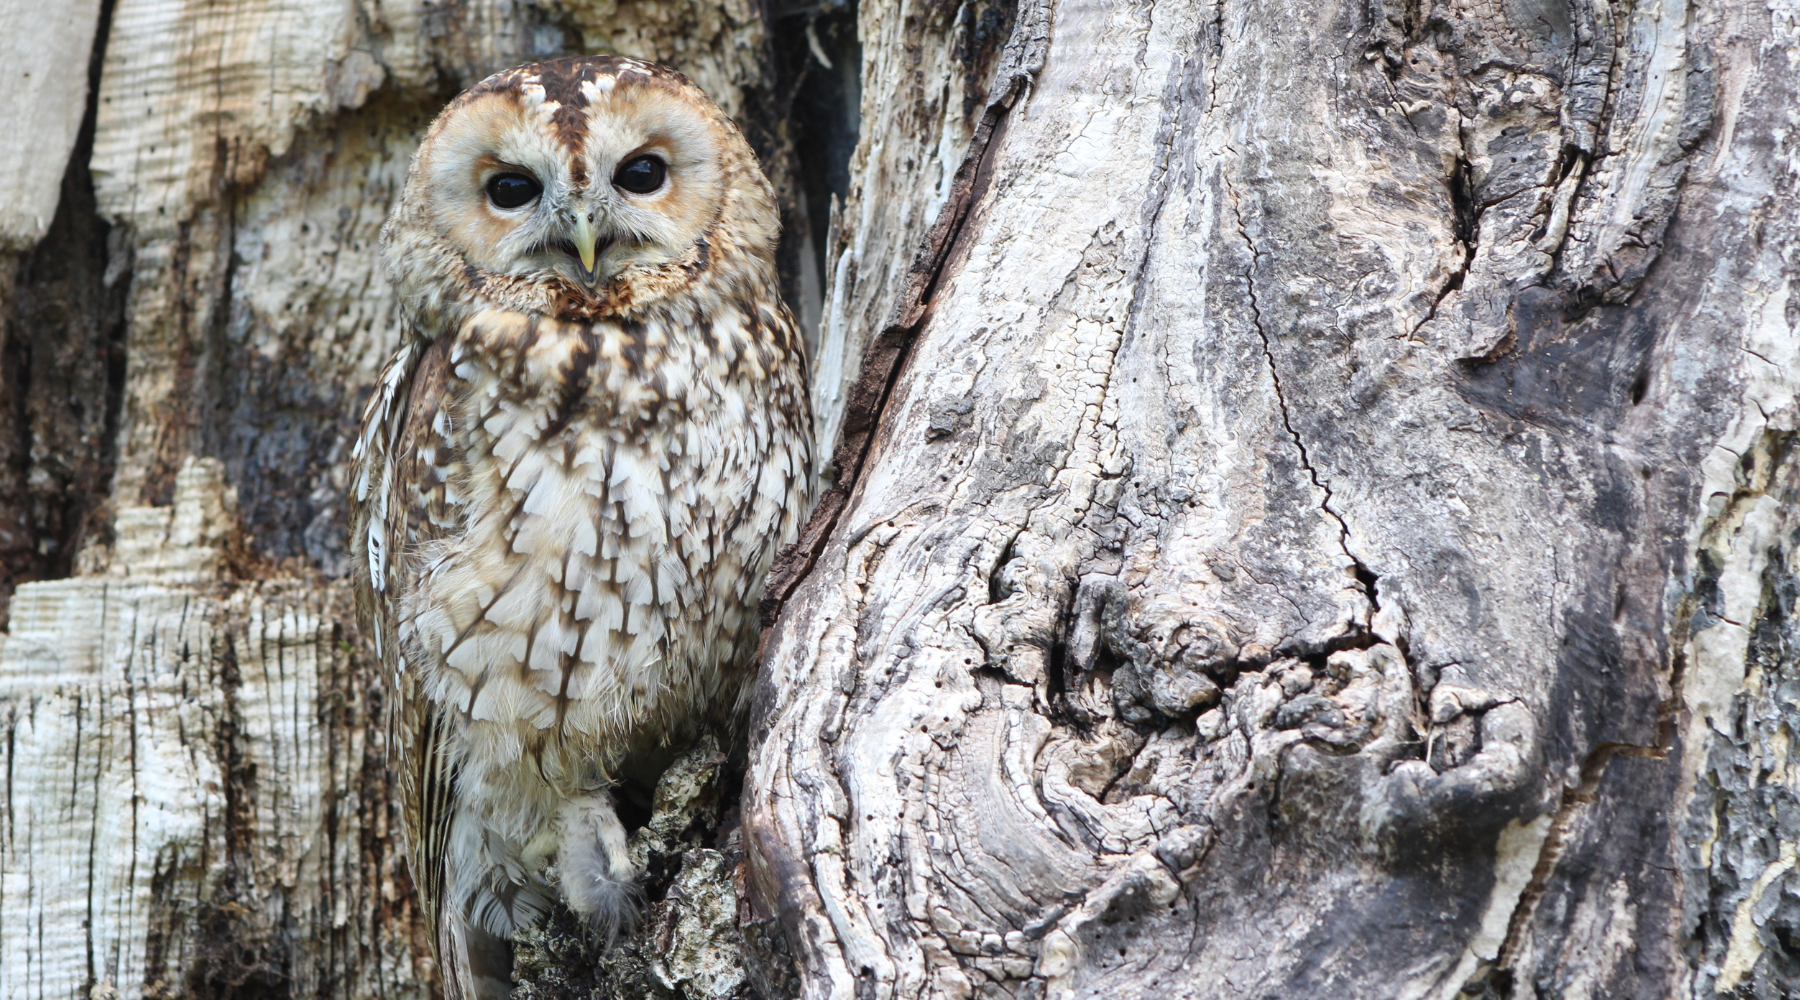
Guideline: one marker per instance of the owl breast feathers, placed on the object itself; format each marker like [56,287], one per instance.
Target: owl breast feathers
[571,479]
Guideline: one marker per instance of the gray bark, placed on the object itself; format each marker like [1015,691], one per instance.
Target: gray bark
[1313,508]
[1315,521]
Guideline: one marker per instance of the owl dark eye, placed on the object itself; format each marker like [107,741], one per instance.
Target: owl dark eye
[641,175]
[512,190]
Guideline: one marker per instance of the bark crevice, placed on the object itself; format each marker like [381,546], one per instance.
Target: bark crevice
[1366,578]
[886,355]
[62,373]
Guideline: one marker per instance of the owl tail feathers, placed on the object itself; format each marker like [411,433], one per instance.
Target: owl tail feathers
[594,866]
[475,949]
[476,964]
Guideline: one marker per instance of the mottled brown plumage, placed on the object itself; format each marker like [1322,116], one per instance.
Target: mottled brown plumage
[571,479]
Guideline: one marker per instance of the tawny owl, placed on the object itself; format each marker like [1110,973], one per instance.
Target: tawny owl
[571,479]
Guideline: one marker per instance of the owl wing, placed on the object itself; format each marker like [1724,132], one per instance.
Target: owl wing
[401,499]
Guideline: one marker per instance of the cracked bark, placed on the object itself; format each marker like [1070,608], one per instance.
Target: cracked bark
[1325,529]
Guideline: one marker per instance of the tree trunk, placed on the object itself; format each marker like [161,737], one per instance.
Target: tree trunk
[1315,518]
[1312,511]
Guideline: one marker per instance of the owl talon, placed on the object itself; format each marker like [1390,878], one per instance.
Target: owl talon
[594,866]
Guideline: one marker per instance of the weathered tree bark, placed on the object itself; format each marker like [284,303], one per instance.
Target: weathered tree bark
[1313,510]
[1316,516]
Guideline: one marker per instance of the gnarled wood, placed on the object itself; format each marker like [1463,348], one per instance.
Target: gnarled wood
[1290,558]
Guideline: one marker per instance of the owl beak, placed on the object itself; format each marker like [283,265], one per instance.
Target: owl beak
[585,239]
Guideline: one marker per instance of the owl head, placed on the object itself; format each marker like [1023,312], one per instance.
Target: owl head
[584,187]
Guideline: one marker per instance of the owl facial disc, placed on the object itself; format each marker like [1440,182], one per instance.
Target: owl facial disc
[578,188]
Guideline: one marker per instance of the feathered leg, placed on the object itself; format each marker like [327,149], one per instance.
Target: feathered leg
[594,864]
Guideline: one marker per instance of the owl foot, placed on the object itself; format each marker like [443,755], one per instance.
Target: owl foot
[594,866]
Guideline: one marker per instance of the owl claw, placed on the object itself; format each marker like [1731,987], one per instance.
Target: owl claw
[594,866]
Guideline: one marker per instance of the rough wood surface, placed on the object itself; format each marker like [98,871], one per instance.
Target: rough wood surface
[1312,545]
[197,789]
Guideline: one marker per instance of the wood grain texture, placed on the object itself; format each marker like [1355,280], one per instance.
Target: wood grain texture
[1290,558]
[928,72]
[197,791]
